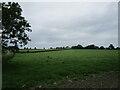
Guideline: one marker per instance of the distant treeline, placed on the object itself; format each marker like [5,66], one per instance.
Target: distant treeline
[110,47]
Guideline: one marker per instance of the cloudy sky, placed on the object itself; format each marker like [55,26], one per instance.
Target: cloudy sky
[67,23]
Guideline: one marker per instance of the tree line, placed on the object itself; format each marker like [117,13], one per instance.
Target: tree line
[110,47]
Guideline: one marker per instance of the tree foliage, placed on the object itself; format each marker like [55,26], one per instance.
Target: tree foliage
[101,47]
[111,46]
[91,47]
[14,25]
[77,47]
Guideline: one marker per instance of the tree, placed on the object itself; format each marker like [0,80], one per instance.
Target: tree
[111,46]
[91,47]
[80,46]
[101,47]
[77,47]
[14,25]
[118,48]
[51,48]
[74,47]
[67,47]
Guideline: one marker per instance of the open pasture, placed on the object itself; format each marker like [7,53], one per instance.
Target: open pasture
[32,69]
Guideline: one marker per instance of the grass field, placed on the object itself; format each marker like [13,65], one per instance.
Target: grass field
[25,50]
[36,50]
[32,69]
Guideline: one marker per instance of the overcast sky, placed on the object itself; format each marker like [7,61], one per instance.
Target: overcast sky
[66,24]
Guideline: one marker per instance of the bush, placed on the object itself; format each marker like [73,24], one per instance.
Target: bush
[7,55]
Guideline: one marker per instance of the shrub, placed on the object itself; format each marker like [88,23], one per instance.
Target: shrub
[7,55]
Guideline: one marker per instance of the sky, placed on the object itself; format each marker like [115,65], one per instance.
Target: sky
[57,24]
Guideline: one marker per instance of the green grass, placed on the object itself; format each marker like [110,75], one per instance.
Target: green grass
[38,50]
[31,69]
[25,50]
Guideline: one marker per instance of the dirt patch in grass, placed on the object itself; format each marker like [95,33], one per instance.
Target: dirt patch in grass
[101,80]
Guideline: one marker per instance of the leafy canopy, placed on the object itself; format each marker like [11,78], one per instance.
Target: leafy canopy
[14,25]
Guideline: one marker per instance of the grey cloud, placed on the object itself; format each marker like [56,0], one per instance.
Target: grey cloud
[61,24]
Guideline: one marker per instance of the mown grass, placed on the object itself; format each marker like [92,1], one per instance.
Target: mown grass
[31,69]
